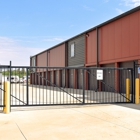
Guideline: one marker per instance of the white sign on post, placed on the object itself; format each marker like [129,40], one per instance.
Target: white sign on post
[138,70]
[99,74]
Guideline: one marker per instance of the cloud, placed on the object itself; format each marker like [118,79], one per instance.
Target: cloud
[119,11]
[18,49]
[72,25]
[19,55]
[54,39]
[88,8]
[131,3]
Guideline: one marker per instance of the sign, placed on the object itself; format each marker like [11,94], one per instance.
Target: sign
[99,74]
[138,70]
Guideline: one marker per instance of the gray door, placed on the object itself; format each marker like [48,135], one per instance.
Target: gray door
[71,74]
[51,78]
[108,83]
[63,78]
[55,77]
[80,78]
[92,82]
[40,77]
[44,78]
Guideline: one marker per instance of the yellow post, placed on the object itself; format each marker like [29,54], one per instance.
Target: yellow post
[127,90]
[137,91]
[6,108]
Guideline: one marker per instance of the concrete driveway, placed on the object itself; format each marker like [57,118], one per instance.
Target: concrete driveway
[95,122]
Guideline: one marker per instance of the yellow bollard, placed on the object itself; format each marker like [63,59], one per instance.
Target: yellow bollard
[137,91]
[127,90]
[6,108]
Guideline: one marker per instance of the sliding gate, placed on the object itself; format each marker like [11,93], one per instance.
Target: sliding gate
[42,86]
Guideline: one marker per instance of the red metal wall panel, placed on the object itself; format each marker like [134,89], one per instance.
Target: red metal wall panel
[118,44]
[103,51]
[125,36]
[134,34]
[120,39]
[111,40]
[41,59]
[56,56]
[91,48]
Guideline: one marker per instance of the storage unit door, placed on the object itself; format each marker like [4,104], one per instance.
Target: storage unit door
[51,78]
[80,78]
[62,80]
[44,78]
[92,82]
[57,77]
[71,78]
[40,75]
[108,83]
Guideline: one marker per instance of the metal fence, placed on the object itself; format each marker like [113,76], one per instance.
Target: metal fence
[41,86]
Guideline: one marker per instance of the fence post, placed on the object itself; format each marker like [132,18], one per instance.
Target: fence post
[27,95]
[10,83]
[134,69]
[83,87]
[127,90]
[6,108]
[137,91]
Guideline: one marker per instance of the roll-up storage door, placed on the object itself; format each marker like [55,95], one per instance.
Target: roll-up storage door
[92,84]
[71,78]
[80,78]
[108,83]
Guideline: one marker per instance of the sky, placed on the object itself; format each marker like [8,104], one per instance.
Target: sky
[28,27]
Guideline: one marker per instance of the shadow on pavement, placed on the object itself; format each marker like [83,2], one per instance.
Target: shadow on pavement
[35,108]
[132,106]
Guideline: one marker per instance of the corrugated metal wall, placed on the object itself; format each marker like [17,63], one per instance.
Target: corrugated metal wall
[79,51]
[91,45]
[33,61]
[56,56]
[42,59]
[121,39]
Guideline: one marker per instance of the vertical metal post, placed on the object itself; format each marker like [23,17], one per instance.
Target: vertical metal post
[97,57]
[134,67]
[137,91]
[27,95]
[83,88]
[6,108]
[132,86]
[127,90]
[10,83]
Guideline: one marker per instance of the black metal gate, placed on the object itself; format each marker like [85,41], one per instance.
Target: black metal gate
[35,86]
